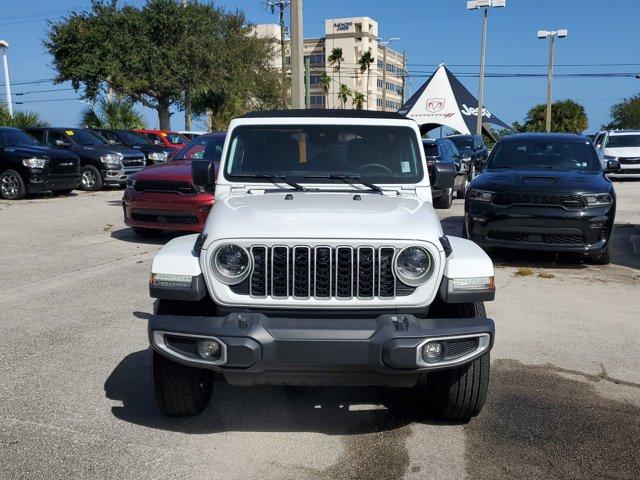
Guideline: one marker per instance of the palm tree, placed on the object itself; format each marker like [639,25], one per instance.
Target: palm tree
[20,119]
[344,93]
[365,61]
[118,114]
[325,83]
[358,100]
[335,60]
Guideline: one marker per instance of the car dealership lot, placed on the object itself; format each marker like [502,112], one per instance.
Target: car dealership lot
[76,393]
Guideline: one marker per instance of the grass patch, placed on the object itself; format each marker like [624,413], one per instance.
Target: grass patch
[523,272]
[546,275]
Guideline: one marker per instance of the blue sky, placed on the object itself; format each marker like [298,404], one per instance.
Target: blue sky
[430,31]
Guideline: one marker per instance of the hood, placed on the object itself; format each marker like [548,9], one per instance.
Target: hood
[179,170]
[332,215]
[97,150]
[150,147]
[622,151]
[573,181]
[40,151]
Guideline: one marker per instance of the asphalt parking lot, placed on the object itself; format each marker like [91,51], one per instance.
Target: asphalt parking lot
[76,397]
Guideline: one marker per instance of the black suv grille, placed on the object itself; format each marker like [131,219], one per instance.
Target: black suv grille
[323,272]
[539,198]
[537,238]
[129,162]
[171,186]
[159,218]
[629,160]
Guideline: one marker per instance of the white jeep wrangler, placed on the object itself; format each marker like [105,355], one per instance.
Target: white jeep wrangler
[322,262]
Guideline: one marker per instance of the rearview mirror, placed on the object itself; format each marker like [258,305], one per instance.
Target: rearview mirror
[203,173]
[444,174]
[613,165]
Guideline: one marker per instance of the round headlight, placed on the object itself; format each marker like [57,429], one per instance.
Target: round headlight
[231,264]
[413,266]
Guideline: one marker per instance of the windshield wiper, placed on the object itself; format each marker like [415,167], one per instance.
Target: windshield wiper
[272,178]
[349,179]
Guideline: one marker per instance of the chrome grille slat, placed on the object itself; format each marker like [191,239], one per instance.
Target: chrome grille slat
[322,280]
[301,272]
[280,272]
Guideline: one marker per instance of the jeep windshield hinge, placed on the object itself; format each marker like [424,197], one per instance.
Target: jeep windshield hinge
[446,245]
[197,247]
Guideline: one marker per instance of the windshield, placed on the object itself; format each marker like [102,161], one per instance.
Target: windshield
[10,136]
[174,138]
[463,143]
[134,139]
[616,141]
[86,137]
[376,154]
[544,154]
[430,149]
[207,147]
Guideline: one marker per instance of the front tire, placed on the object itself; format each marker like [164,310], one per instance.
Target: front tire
[12,186]
[180,391]
[445,200]
[604,258]
[91,179]
[463,188]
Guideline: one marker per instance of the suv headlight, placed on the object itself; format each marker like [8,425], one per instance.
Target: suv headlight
[480,195]
[35,162]
[413,266]
[231,264]
[111,159]
[158,156]
[597,199]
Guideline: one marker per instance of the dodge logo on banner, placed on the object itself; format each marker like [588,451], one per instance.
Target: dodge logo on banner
[435,104]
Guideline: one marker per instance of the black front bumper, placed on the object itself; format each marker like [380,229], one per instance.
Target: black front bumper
[301,351]
[552,229]
[37,183]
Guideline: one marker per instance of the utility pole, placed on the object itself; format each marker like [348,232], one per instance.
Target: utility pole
[484,5]
[404,74]
[297,67]
[542,34]
[281,5]
[385,44]
[4,45]
[307,83]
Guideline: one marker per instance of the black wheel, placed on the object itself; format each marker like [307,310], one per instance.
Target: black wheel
[91,179]
[463,188]
[147,232]
[180,391]
[445,200]
[604,258]
[11,185]
[465,230]
[66,191]
[459,393]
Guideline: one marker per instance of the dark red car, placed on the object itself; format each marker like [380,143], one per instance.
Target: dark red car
[165,138]
[163,196]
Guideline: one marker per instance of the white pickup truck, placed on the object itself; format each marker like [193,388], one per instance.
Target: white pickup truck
[322,262]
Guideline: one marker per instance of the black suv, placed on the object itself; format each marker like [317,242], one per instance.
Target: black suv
[27,167]
[101,164]
[474,147]
[153,153]
[443,151]
[542,191]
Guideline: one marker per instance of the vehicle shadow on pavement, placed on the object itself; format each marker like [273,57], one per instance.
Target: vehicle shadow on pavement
[331,411]
[548,422]
[626,245]
[128,235]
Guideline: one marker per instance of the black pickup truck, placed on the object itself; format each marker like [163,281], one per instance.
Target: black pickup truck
[28,167]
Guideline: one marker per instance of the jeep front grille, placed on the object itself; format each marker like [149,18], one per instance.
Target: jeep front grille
[322,272]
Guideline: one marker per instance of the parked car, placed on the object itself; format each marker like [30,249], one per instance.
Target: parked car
[28,167]
[623,146]
[438,153]
[173,140]
[474,147]
[322,262]
[153,153]
[191,134]
[101,164]
[543,191]
[163,197]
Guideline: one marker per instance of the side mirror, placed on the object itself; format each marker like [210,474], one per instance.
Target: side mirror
[444,175]
[203,173]
[61,144]
[613,165]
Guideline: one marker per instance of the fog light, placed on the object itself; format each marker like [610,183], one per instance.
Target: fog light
[208,349]
[432,351]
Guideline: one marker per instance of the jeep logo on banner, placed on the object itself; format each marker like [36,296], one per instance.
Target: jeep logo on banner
[435,104]
[471,111]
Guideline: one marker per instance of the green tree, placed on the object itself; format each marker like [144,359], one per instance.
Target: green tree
[118,113]
[566,116]
[626,113]
[359,100]
[152,55]
[325,83]
[343,93]
[365,62]
[335,60]
[20,118]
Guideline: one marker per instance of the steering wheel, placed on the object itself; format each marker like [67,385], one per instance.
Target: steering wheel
[375,165]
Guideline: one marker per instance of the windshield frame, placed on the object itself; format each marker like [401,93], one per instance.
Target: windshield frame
[418,178]
[32,142]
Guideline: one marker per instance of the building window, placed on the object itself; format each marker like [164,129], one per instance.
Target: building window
[315,58]
[379,102]
[314,80]
[380,63]
[316,99]
[379,82]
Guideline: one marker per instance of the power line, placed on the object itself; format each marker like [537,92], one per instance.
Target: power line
[48,100]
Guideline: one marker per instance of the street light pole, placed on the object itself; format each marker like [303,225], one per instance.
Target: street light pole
[385,44]
[7,83]
[297,66]
[552,41]
[484,5]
